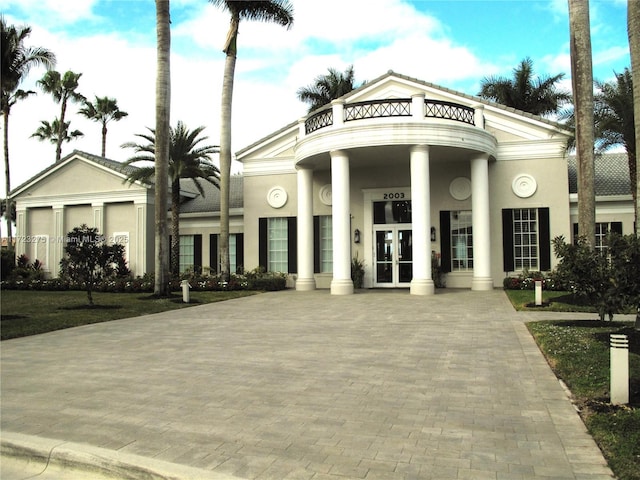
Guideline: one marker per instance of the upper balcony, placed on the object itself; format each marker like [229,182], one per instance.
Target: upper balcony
[397,121]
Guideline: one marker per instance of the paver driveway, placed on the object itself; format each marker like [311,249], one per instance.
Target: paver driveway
[376,385]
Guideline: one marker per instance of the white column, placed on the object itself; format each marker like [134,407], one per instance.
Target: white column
[417,107]
[21,232]
[481,222]
[98,217]
[478,115]
[58,242]
[421,283]
[305,280]
[337,106]
[341,284]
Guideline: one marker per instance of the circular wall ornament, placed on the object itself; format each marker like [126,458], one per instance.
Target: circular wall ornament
[460,188]
[277,197]
[524,185]
[325,194]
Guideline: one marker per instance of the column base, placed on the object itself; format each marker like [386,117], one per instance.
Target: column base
[305,284]
[482,283]
[341,287]
[422,287]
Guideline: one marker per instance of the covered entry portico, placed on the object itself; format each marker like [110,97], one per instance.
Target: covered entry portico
[421,131]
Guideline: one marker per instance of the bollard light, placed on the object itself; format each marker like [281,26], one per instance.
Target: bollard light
[185,290]
[538,285]
[619,369]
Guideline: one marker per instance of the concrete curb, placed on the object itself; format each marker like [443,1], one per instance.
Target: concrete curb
[36,456]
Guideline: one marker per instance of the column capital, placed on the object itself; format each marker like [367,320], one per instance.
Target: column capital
[422,148]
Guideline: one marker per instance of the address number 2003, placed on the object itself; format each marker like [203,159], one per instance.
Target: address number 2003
[393,196]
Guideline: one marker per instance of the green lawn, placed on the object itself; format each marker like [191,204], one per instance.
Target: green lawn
[552,301]
[32,312]
[578,352]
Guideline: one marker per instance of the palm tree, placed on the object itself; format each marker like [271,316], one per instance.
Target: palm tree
[51,132]
[614,121]
[538,96]
[103,110]
[582,80]
[187,159]
[276,11]
[326,88]
[63,89]
[163,117]
[633,31]
[17,61]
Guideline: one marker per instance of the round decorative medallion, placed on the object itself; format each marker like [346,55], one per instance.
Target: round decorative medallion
[460,188]
[277,197]
[325,194]
[524,185]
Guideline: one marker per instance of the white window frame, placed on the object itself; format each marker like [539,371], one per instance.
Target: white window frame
[278,244]
[461,242]
[187,258]
[526,238]
[325,239]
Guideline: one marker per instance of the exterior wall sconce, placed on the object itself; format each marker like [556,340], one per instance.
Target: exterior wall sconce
[433,234]
[356,236]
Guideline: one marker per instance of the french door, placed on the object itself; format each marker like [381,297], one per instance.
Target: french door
[393,256]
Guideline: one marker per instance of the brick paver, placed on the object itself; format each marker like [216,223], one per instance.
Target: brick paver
[305,385]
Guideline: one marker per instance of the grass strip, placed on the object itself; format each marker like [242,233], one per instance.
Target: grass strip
[579,354]
[32,312]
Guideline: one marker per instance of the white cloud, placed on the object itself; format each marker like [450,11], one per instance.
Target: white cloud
[52,13]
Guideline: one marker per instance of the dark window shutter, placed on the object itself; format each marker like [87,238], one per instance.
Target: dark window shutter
[508,263]
[197,253]
[445,241]
[263,243]
[575,233]
[316,244]
[616,227]
[213,253]
[292,241]
[240,252]
[544,239]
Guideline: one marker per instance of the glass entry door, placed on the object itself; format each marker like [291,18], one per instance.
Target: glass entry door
[393,256]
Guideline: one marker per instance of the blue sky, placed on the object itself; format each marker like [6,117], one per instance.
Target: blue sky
[453,43]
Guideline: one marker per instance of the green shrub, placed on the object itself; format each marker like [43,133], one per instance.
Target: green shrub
[610,280]
[7,262]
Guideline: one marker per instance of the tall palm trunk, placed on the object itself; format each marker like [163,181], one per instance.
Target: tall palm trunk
[163,105]
[633,30]
[104,139]
[582,79]
[225,145]
[61,135]
[175,227]
[7,177]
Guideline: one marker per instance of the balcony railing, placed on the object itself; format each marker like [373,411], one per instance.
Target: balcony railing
[319,120]
[391,108]
[377,109]
[449,111]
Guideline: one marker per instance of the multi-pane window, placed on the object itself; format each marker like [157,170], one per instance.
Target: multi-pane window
[326,244]
[602,230]
[461,241]
[187,252]
[525,238]
[277,254]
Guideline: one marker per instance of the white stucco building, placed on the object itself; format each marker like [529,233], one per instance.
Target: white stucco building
[397,173]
